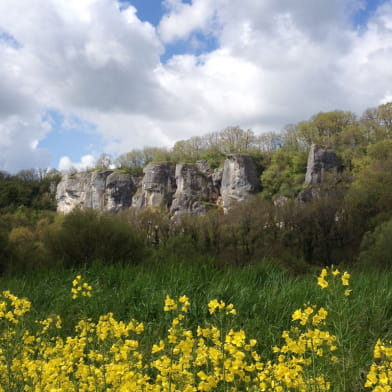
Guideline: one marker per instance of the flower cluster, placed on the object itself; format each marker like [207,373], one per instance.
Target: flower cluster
[80,287]
[334,275]
[112,355]
[109,355]
[215,305]
[13,308]
[379,377]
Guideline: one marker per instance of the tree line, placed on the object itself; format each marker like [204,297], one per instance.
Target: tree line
[350,221]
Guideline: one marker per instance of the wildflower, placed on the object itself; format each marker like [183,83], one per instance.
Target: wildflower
[170,304]
[335,272]
[322,282]
[80,287]
[215,305]
[345,278]
[347,292]
[156,348]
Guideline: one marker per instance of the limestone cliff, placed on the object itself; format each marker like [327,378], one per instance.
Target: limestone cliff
[157,187]
[239,180]
[322,163]
[102,189]
[195,189]
[184,188]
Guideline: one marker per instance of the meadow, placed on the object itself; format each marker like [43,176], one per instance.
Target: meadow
[196,326]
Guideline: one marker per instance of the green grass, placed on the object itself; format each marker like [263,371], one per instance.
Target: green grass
[264,294]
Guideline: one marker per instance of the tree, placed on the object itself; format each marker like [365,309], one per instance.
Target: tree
[325,128]
[285,175]
[104,162]
[236,140]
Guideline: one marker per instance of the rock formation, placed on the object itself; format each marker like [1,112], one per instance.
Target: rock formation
[184,188]
[102,189]
[322,162]
[239,180]
[195,189]
[158,186]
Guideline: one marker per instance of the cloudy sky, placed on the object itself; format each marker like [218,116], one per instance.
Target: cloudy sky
[82,77]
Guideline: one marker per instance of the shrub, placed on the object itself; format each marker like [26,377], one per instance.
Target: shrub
[376,246]
[85,236]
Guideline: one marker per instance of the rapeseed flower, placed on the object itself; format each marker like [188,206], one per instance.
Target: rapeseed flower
[80,288]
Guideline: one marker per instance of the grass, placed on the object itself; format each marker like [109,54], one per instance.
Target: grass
[264,296]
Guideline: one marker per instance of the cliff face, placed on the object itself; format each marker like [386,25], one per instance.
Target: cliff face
[195,189]
[322,162]
[184,188]
[157,187]
[239,180]
[103,190]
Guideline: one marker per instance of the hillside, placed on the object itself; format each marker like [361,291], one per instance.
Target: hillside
[348,221]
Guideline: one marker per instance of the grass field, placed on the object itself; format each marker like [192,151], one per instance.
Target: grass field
[264,296]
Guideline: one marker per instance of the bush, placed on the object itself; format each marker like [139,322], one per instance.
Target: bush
[85,236]
[376,247]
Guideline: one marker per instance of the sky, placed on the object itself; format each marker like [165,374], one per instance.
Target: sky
[83,77]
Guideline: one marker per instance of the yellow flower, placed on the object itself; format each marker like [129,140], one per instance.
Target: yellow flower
[79,287]
[345,278]
[347,292]
[157,348]
[170,304]
[335,272]
[322,282]
[214,304]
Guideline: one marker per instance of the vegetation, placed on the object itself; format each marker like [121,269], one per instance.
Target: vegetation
[339,226]
[260,257]
[239,329]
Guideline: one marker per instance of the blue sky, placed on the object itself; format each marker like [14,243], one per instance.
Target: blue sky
[79,78]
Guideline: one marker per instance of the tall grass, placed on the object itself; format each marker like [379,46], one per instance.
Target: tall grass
[264,295]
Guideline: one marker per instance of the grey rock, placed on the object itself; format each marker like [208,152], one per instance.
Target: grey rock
[195,189]
[103,190]
[186,188]
[239,180]
[158,186]
[216,178]
[119,191]
[204,166]
[320,161]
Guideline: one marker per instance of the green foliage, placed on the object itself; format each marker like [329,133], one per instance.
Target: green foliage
[28,188]
[85,236]
[325,128]
[285,175]
[264,296]
[134,161]
[369,199]
[378,122]
[376,248]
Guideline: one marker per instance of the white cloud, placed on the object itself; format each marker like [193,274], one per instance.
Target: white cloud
[86,162]
[276,62]
[183,19]
[18,143]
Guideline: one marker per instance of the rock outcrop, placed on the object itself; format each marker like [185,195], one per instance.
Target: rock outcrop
[158,186]
[184,188]
[195,189]
[322,163]
[239,180]
[103,189]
